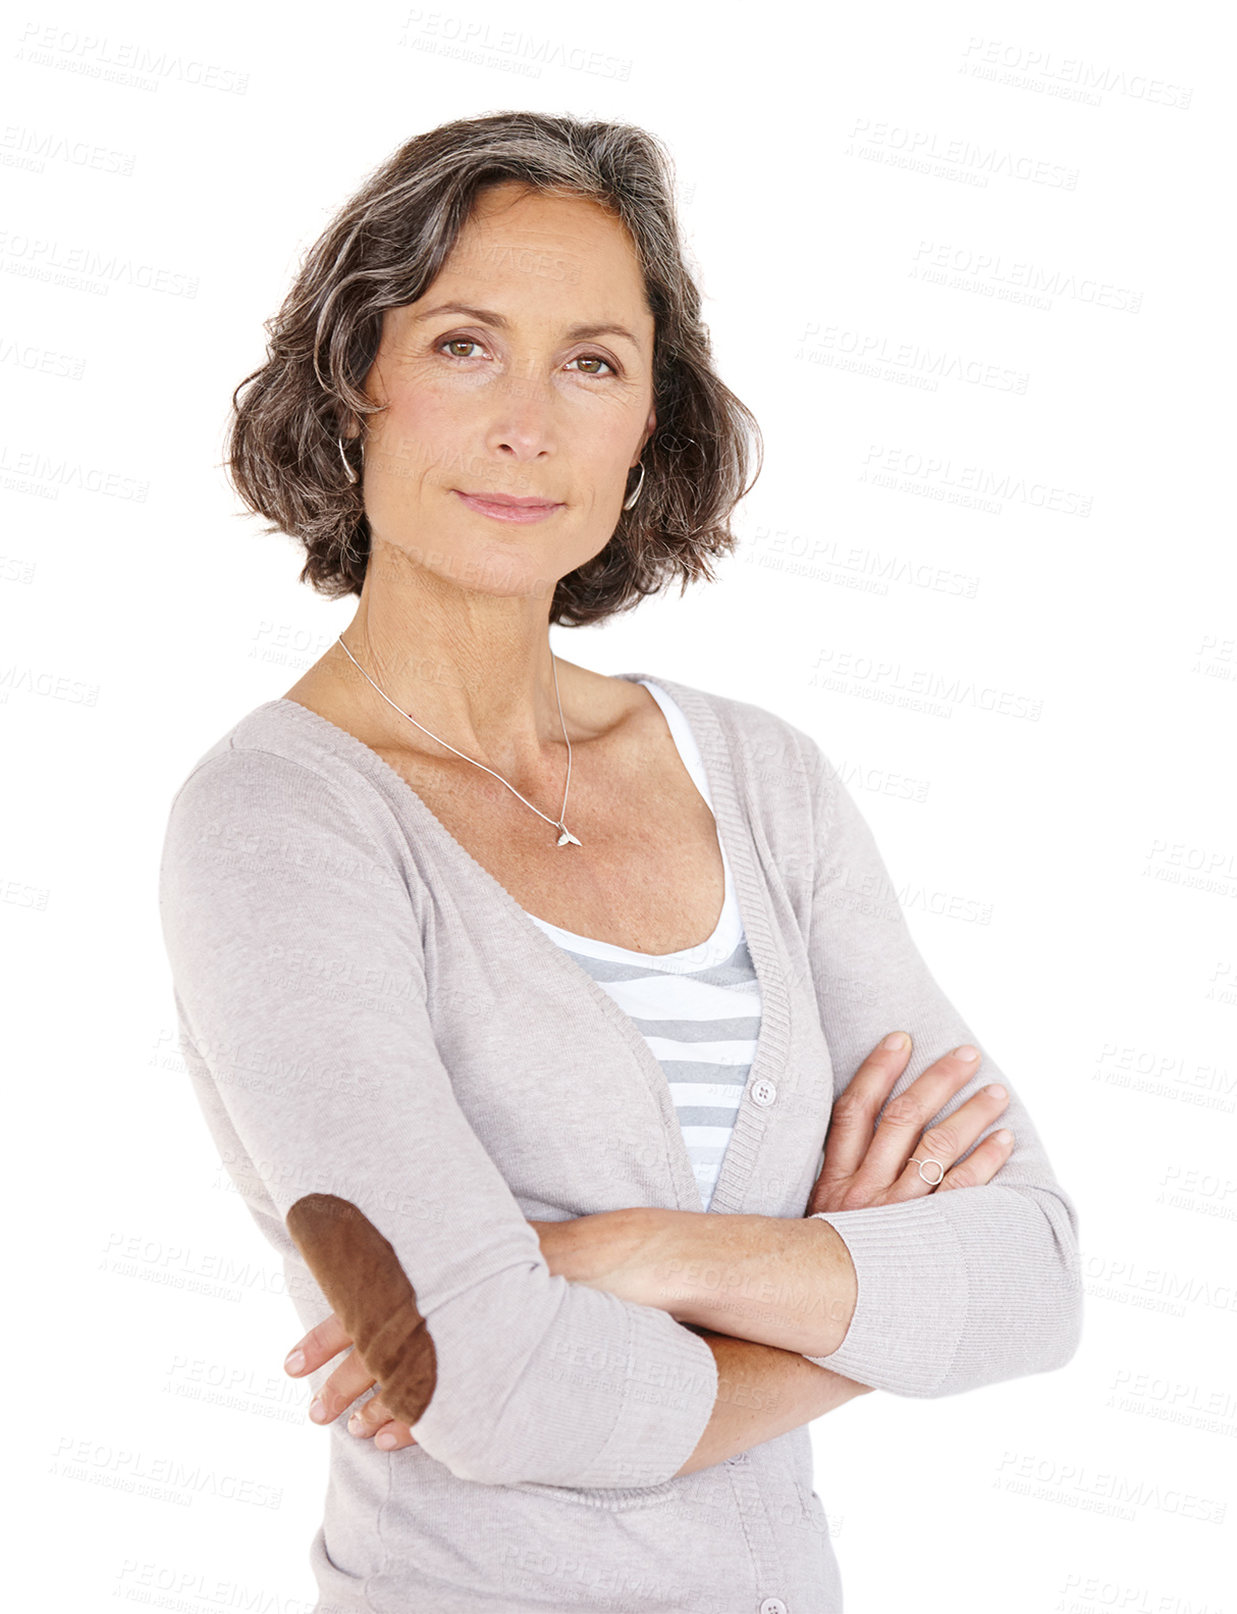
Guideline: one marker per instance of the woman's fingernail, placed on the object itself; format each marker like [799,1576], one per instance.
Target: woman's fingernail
[386,1440]
[294,1361]
[317,1410]
[356,1423]
[967,1051]
[896,1039]
[995,1090]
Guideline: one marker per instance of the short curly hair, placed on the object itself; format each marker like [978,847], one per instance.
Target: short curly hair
[383,249]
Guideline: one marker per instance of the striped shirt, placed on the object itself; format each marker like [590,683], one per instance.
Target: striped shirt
[698,1009]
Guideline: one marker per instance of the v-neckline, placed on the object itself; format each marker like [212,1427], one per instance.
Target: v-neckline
[721,941]
[739,833]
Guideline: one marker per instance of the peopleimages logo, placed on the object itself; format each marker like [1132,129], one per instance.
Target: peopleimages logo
[903,468]
[127,62]
[1050,72]
[953,155]
[1015,279]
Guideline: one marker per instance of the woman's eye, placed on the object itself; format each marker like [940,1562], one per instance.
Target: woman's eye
[459,341]
[593,358]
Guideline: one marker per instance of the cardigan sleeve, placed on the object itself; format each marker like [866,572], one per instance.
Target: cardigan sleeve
[300,984]
[960,1288]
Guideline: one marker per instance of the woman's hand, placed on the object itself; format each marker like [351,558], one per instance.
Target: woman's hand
[349,1380]
[566,1254]
[603,1250]
[864,1167]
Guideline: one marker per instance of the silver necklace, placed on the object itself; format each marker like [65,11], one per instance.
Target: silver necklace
[566,838]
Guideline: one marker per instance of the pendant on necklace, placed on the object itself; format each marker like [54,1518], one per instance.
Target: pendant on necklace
[566,837]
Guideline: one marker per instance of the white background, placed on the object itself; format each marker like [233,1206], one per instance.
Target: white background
[941,249]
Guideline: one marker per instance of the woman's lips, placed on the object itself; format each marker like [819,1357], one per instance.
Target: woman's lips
[513,511]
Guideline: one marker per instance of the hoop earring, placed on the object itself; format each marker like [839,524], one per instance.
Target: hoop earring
[349,472]
[635,494]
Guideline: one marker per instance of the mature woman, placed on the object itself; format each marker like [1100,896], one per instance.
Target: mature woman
[522,1000]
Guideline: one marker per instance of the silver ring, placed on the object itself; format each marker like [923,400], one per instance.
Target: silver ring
[929,1162]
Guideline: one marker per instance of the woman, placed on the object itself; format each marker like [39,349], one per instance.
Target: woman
[497,977]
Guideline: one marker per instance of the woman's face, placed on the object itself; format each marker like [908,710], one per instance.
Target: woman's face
[506,395]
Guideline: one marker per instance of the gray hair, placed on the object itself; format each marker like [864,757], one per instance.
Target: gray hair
[383,249]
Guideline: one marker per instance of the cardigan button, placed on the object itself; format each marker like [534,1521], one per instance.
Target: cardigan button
[763,1092]
[773,1605]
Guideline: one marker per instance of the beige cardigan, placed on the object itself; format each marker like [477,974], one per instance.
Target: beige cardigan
[400,1069]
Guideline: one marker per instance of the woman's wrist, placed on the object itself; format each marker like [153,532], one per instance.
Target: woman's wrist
[606,1250]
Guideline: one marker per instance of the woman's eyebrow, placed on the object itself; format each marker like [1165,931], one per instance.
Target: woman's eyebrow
[575,333]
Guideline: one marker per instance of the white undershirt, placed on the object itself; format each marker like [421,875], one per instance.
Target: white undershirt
[698,1009]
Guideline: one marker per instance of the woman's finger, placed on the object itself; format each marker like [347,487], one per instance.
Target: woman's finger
[948,1141]
[349,1380]
[394,1435]
[317,1347]
[371,1416]
[375,1419]
[982,1164]
[856,1108]
[900,1128]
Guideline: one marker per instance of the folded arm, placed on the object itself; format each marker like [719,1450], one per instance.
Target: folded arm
[300,988]
[672,1260]
[781,1282]
[956,1289]
[945,1292]
[763,1392]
